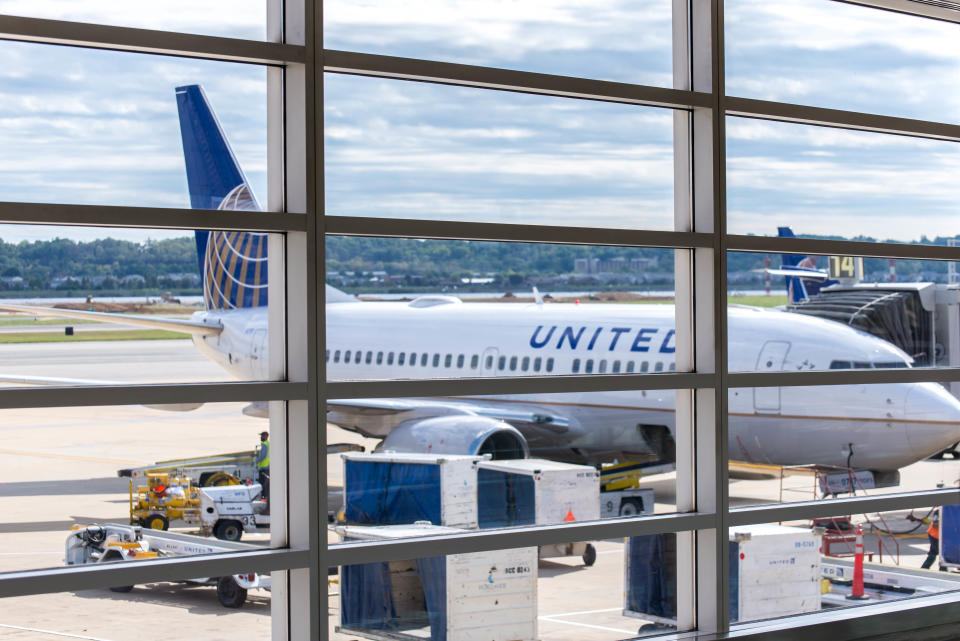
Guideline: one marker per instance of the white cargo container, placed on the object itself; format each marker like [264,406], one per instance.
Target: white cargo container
[481,596]
[774,571]
[536,491]
[540,492]
[394,488]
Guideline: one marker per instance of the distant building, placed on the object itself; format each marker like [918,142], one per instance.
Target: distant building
[613,265]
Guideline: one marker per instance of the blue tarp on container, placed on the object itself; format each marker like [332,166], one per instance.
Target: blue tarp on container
[367,599]
[950,533]
[387,493]
[504,499]
[734,551]
[367,603]
[651,580]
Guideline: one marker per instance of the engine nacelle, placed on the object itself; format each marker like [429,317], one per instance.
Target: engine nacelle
[458,434]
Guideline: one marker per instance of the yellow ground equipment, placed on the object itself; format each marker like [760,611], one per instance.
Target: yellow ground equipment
[163,499]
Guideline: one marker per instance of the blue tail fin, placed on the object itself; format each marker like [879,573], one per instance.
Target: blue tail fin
[233,264]
[800,289]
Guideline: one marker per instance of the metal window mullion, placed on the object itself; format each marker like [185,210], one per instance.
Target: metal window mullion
[684,415]
[485,540]
[507,232]
[155,394]
[888,619]
[92,576]
[808,510]
[462,75]
[515,385]
[844,377]
[815,246]
[147,217]
[840,118]
[710,315]
[149,41]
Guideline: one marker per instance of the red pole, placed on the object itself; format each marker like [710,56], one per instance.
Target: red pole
[857,590]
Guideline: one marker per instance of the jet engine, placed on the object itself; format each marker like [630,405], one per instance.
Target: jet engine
[458,434]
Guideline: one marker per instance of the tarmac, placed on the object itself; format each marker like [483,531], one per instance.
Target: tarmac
[59,467]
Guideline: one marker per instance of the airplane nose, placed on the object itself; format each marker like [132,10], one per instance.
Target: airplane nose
[932,418]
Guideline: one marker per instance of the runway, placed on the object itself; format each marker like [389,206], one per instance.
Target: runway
[58,467]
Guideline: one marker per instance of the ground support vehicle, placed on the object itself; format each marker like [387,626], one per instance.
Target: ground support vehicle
[164,499]
[227,512]
[202,471]
[218,469]
[620,491]
[116,542]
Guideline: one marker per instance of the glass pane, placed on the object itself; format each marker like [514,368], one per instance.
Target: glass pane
[415,150]
[244,19]
[833,54]
[104,470]
[510,595]
[782,569]
[97,306]
[805,443]
[150,612]
[500,461]
[84,126]
[832,183]
[840,312]
[623,41]
[468,309]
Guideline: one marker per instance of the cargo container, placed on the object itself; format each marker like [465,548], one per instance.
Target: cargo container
[393,488]
[481,596]
[539,492]
[774,572]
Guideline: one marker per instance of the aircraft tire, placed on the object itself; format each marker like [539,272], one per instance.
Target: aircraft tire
[229,593]
[113,555]
[589,555]
[629,507]
[228,530]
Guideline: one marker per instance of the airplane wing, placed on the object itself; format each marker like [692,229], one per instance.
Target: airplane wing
[812,274]
[194,328]
[376,417]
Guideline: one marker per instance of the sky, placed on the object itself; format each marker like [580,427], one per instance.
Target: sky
[96,127]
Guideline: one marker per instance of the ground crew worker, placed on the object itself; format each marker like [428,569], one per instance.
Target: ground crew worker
[263,464]
[933,535]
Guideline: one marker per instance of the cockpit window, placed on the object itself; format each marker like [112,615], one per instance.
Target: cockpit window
[890,364]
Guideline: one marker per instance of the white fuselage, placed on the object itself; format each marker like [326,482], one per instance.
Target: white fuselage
[886,426]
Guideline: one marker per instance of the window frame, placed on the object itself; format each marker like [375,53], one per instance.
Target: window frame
[300,555]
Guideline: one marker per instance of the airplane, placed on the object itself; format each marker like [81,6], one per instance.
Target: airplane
[880,427]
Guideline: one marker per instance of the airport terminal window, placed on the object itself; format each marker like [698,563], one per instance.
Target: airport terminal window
[394,147]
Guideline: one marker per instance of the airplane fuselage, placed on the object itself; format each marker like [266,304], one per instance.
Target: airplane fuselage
[885,426]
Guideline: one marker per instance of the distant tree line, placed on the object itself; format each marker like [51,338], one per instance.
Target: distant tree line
[102,264]
[377,263]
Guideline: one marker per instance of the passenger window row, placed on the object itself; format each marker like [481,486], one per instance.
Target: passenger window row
[503,363]
[629,367]
[449,360]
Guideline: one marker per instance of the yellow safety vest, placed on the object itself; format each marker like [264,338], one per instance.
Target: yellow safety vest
[266,459]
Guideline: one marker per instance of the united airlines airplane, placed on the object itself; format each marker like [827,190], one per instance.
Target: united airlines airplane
[869,427]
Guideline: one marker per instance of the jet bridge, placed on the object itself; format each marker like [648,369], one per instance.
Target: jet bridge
[922,319]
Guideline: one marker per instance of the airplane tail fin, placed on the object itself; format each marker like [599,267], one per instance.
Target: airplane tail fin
[796,287]
[800,289]
[233,265]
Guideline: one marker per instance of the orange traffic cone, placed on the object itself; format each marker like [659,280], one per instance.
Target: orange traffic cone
[857,590]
